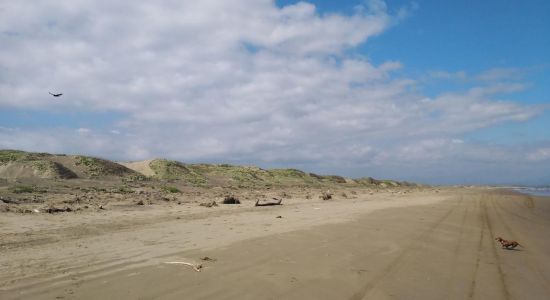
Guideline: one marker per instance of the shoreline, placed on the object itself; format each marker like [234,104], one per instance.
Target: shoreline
[533,191]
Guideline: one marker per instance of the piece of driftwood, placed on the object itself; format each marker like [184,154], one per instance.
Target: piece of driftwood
[326,195]
[209,204]
[269,203]
[9,200]
[53,210]
[196,267]
[206,258]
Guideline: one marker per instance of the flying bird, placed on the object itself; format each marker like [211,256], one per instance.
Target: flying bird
[55,95]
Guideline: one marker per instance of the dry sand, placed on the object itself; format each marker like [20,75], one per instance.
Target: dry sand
[419,245]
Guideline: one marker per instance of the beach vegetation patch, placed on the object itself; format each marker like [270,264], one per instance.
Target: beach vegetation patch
[123,190]
[20,189]
[171,189]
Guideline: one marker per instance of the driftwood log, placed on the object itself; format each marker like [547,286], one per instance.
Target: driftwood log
[196,267]
[209,204]
[269,203]
[9,201]
[326,195]
[53,210]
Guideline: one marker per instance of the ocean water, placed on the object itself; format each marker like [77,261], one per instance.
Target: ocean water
[536,191]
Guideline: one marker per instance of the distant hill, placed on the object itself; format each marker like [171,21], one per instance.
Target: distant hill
[15,164]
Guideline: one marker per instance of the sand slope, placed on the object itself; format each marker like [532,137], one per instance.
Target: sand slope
[142,167]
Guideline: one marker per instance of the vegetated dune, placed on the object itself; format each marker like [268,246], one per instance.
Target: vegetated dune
[175,170]
[15,164]
[19,164]
[98,167]
[226,174]
[35,168]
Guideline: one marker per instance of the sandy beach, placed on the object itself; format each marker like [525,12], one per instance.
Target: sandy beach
[420,244]
[274,149]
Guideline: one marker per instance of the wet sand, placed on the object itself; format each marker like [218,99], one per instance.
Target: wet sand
[424,245]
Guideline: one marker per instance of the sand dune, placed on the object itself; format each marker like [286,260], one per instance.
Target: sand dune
[142,167]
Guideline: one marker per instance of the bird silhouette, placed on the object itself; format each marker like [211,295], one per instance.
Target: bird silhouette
[55,95]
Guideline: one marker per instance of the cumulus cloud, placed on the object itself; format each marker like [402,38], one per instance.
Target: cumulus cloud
[490,76]
[499,74]
[83,130]
[539,154]
[240,81]
[460,75]
[474,109]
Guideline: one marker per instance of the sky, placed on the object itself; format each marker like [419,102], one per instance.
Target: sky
[437,92]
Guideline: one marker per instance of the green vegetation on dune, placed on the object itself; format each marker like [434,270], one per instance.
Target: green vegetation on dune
[170,189]
[174,170]
[226,174]
[10,155]
[123,190]
[388,183]
[50,169]
[20,156]
[334,179]
[39,163]
[240,175]
[291,177]
[288,173]
[93,165]
[19,164]
[20,189]
[96,167]
[367,181]
[136,178]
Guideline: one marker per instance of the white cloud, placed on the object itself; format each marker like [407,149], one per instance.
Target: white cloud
[460,75]
[83,130]
[539,155]
[474,109]
[241,81]
[493,76]
[498,74]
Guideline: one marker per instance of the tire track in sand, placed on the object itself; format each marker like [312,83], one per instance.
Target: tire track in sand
[457,249]
[479,250]
[502,279]
[420,239]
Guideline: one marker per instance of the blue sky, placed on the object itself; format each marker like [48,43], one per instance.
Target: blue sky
[463,36]
[433,91]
